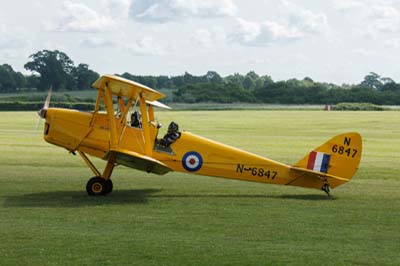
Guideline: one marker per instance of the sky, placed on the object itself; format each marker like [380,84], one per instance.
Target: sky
[338,41]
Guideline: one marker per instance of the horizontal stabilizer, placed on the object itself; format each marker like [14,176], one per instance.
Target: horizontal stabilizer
[139,161]
[312,179]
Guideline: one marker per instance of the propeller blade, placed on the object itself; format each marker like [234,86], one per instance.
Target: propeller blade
[47,102]
[42,112]
[37,124]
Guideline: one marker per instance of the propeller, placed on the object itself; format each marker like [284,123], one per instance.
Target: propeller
[42,112]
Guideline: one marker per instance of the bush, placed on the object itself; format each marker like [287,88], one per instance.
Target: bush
[357,107]
[36,106]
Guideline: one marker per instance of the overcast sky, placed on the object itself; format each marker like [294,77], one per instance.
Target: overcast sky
[336,41]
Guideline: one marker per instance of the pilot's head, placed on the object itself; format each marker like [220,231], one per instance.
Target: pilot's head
[173,127]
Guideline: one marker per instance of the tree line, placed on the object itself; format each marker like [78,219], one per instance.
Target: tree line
[55,69]
[49,69]
[252,88]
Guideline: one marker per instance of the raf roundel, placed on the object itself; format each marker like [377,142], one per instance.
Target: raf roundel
[192,161]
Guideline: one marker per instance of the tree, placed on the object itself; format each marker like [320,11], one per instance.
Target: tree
[213,77]
[178,81]
[7,81]
[20,80]
[149,81]
[164,82]
[266,81]
[386,80]
[83,76]
[11,80]
[32,81]
[253,75]
[189,78]
[250,80]
[211,92]
[235,78]
[392,86]
[55,69]
[248,83]
[372,80]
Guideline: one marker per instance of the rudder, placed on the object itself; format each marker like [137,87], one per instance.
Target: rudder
[339,156]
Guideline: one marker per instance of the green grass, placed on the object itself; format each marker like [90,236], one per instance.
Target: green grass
[46,218]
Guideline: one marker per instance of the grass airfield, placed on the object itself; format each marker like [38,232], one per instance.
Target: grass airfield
[46,218]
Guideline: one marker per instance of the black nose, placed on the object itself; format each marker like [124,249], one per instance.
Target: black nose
[42,113]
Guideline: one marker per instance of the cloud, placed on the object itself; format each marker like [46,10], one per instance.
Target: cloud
[171,10]
[12,38]
[384,19]
[292,23]
[371,18]
[77,17]
[263,33]
[139,47]
[364,52]
[118,8]
[97,42]
[304,19]
[347,5]
[393,43]
[208,38]
[146,46]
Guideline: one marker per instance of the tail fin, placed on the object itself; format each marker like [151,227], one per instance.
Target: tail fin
[336,160]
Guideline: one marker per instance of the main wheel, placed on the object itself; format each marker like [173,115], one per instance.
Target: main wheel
[96,186]
[109,186]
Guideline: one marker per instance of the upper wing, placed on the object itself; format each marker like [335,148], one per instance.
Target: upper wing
[138,161]
[126,88]
[158,104]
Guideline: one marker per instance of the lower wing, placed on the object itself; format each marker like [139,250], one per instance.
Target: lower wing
[138,161]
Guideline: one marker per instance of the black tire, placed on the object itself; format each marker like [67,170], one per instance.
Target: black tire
[109,186]
[96,186]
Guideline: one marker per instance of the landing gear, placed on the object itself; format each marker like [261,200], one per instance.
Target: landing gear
[96,186]
[100,184]
[326,188]
[109,186]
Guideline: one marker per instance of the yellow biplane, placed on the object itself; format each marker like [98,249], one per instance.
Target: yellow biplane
[128,135]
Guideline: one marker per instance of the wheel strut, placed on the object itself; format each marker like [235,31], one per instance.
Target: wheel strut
[326,187]
[99,184]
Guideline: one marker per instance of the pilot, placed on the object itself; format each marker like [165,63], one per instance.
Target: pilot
[135,120]
[172,135]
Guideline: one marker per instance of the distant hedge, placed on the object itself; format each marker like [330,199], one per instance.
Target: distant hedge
[36,106]
[358,107]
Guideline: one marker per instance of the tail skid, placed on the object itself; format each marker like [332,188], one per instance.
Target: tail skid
[330,165]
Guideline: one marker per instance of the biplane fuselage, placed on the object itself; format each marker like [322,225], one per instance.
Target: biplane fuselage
[109,136]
